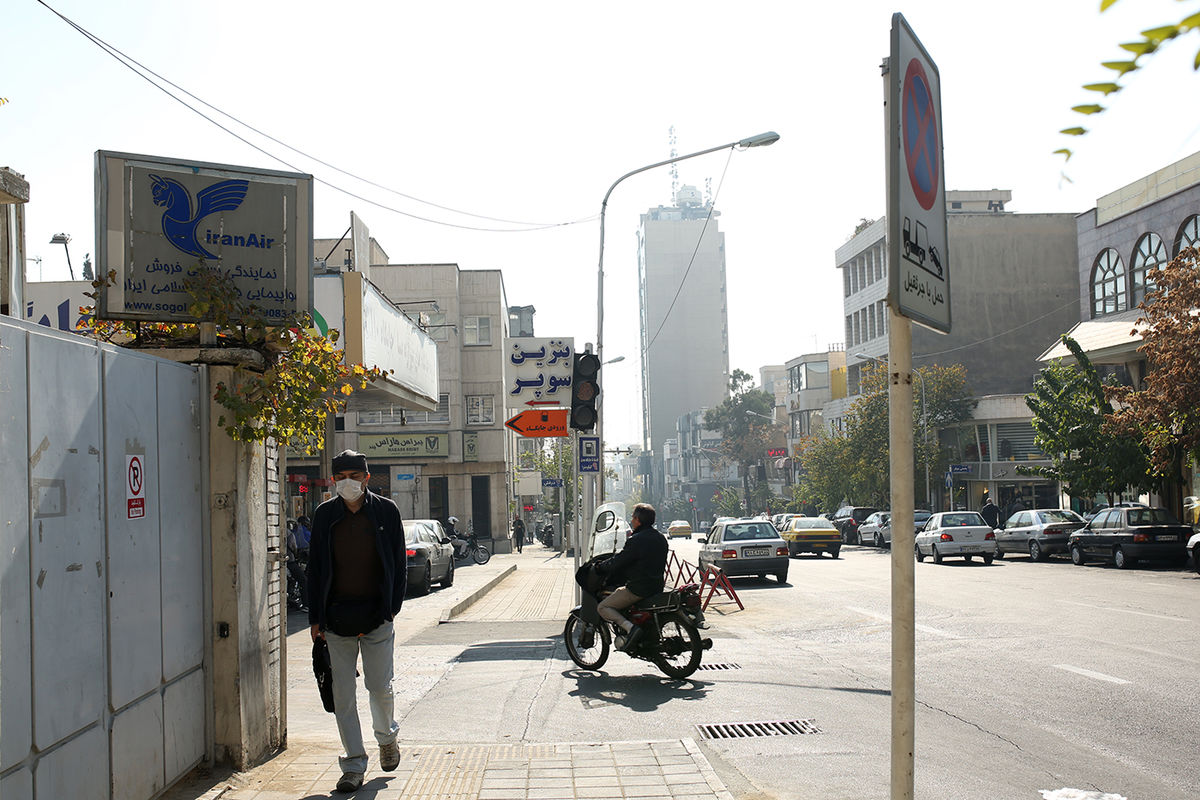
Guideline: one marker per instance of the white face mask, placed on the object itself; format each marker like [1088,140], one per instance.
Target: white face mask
[349,489]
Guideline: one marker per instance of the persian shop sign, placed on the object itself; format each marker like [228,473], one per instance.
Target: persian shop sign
[416,445]
[162,223]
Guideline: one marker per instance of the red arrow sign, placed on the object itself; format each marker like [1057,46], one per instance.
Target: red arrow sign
[541,402]
[540,422]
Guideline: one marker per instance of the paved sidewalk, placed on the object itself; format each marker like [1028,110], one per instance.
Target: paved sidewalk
[535,585]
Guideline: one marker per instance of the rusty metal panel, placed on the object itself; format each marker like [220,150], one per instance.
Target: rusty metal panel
[132,463]
[178,479]
[16,678]
[67,538]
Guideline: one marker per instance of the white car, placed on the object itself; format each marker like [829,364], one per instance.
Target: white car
[1193,547]
[956,533]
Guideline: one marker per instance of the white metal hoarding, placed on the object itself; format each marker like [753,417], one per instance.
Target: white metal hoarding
[538,370]
[918,252]
[161,221]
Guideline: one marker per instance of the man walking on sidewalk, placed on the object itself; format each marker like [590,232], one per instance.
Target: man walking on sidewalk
[519,533]
[357,570]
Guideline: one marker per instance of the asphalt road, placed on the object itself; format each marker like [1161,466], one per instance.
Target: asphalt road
[1030,676]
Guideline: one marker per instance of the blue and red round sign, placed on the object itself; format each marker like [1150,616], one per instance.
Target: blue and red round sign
[920,134]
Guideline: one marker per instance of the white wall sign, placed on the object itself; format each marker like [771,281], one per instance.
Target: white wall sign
[135,486]
[538,370]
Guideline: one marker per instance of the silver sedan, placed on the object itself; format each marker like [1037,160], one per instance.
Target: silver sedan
[956,533]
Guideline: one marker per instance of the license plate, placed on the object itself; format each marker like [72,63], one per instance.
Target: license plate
[1166,538]
[756,551]
[972,549]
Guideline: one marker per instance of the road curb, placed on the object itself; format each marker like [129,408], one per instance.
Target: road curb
[473,597]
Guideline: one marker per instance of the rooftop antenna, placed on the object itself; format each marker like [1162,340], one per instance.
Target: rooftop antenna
[674,167]
[708,195]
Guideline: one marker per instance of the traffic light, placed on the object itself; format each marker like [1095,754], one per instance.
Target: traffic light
[585,390]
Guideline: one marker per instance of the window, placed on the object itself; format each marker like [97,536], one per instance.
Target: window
[481,409]
[1149,255]
[396,416]
[439,331]
[1189,234]
[1108,283]
[477,330]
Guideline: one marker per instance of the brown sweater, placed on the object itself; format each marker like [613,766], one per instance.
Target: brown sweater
[357,571]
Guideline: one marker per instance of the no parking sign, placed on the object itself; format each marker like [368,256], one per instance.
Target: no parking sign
[918,251]
[135,486]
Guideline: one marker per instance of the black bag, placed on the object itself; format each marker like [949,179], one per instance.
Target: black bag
[353,616]
[323,669]
[592,576]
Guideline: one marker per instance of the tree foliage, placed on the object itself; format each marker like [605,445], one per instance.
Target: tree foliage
[1141,48]
[302,380]
[744,420]
[1069,412]
[853,464]
[1165,412]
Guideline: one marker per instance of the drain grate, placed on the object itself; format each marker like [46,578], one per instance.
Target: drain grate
[746,730]
[720,666]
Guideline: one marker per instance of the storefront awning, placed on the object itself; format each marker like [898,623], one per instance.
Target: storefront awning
[1111,339]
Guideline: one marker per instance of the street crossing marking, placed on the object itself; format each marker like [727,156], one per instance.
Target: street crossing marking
[1087,673]
[888,619]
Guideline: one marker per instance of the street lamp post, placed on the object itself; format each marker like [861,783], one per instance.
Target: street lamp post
[64,239]
[761,140]
[924,425]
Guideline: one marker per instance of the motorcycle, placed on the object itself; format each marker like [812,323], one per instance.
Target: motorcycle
[474,550]
[669,620]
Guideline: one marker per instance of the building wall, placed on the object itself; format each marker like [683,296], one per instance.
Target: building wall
[686,363]
[464,370]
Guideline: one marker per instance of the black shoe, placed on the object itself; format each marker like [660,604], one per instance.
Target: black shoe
[632,639]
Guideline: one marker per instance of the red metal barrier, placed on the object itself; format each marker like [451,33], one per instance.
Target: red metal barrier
[714,579]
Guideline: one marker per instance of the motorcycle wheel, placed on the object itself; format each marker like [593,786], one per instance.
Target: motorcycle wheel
[679,648]
[587,645]
[481,554]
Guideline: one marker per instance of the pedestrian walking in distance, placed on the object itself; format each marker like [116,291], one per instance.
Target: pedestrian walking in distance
[519,534]
[357,569]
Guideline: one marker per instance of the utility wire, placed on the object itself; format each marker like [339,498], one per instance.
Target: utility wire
[712,205]
[1074,302]
[130,63]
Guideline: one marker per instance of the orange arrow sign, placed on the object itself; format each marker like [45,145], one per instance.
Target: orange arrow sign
[540,422]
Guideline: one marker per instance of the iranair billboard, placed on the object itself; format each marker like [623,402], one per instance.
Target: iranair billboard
[161,222]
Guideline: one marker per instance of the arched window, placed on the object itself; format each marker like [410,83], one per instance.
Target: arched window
[1189,234]
[1108,283]
[1149,255]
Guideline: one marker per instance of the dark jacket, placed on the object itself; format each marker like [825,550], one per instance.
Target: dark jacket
[389,542]
[642,564]
[991,514]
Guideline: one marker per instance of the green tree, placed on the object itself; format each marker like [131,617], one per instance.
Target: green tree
[1141,48]
[728,502]
[744,420]
[1165,413]
[1069,412]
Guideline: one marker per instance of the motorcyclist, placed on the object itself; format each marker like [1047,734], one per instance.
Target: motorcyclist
[294,568]
[640,570]
[461,545]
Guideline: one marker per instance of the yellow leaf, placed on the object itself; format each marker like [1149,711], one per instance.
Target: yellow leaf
[1074,131]
[1196,62]
[1065,153]
[347,389]
[1091,108]
[1105,4]
[1120,67]
[1104,88]
[1161,33]
[1140,48]
[1190,22]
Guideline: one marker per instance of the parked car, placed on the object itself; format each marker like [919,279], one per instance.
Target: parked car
[1127,535]
[746,547]
[811,535]
[956,533]
[780,521]
[1193,547]
[430,555]
[680,527]
[869,531]
[920,517]
[1041,532]
[1191,510]
[847,519]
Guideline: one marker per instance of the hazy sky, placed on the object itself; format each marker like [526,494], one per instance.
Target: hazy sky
[528,111]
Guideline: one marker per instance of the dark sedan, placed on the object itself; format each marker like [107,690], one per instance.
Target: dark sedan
[430,555]
[1127,535]
[1041,532]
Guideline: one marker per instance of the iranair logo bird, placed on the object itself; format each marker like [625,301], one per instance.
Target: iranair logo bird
[181,219]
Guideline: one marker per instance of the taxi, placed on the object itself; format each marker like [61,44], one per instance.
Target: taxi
[680,527]
[812,535]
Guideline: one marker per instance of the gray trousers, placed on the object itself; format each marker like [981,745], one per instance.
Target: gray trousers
[376,648]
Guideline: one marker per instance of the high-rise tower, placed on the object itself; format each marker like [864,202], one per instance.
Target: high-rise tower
[684,325]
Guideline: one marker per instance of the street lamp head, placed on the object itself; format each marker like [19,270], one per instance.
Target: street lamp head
[866,357]
[761,140]
[60,238]
[615,360]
